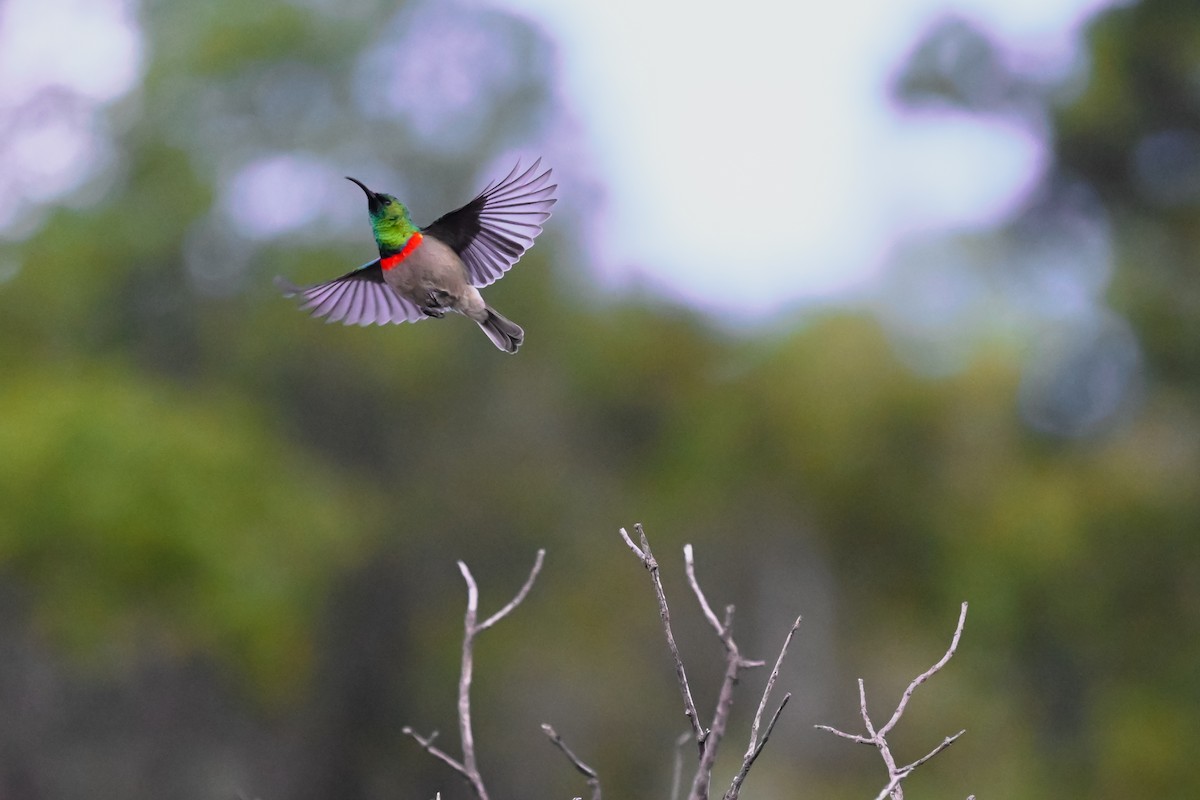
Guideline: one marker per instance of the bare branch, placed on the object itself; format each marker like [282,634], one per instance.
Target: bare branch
[593,780]
[862,707]
[755,747]
[520,597]
[949,740]
[892,786]
[762,703]
[854,737]
[927,674]
[637,551]
[752,755]
[878,738]
[709,741]
[647,558]
[708,756]
[677,772]
[770,727]
[469,767]
[690,566]
[426,743]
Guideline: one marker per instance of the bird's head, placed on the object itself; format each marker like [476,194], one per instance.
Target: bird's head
[383,207]
[389,217]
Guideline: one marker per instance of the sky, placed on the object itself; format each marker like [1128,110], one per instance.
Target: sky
[747,154]
[751,157]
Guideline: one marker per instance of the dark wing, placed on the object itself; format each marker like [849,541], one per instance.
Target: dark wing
[359,297]
[494,230]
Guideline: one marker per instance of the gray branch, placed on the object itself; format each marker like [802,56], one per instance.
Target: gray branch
[469,767]
[756,745]
[647,559]
[878,738]
[593,780]
[709,741]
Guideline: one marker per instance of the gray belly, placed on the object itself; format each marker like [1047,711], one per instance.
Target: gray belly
[433,268]
[433,265]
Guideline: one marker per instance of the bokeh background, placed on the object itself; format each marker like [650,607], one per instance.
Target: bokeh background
[882,307]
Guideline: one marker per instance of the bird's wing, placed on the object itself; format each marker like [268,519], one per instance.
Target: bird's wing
[359,297]
[494,230]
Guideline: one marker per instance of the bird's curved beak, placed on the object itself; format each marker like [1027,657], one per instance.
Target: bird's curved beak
[372,198]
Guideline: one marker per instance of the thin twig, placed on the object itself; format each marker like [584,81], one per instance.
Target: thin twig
[593,780]
[637,551]
[708,742]
[752,755]
[647,558]
[469,767]
[520,597]
[927,674]
[426,743]
[708,757]
[854,737]
[862,708]
[677,772]
[949,740]
[756,746]
[689,565]
[893,785]
[734,663]
[878,737]
[774,676]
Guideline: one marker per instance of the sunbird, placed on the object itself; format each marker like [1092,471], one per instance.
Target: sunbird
[425,272]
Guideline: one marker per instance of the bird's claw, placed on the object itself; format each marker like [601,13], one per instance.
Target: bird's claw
[435,303]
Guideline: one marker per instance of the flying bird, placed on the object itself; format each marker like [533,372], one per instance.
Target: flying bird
[425,272]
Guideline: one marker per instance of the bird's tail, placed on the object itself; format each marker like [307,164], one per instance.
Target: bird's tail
[504,333]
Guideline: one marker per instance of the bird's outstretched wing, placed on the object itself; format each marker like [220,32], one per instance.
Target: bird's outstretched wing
[494,230]
[359,297]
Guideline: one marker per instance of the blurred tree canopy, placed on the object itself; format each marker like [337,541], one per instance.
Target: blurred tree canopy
[228,534]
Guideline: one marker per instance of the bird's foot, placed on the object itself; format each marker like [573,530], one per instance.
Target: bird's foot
[436,303]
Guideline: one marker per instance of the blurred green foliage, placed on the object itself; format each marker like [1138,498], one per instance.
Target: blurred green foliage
[134,510]
[205,495]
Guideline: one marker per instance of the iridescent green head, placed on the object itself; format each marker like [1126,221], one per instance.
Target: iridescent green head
[389,219]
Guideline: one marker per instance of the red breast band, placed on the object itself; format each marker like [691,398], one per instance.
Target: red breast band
[393,261]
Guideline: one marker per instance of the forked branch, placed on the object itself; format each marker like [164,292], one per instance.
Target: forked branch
[469,767]
[878,737]
[647,558]
[708,740]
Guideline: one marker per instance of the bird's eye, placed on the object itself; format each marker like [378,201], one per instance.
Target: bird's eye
[384,200]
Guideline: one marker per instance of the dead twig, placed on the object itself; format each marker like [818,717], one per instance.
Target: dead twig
[469,767]
[677,768]
[593,780]
[756,745]
[647,558]
[734,664]
[878,737]
[709,740]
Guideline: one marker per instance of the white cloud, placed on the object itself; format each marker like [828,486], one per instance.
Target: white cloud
[751,156]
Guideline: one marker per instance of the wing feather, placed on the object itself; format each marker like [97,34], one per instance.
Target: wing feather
[360,297]
[494,230]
